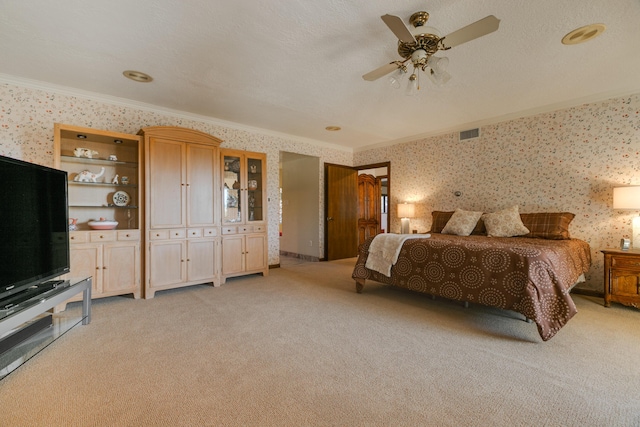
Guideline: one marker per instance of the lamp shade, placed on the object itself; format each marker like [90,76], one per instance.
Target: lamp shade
[626,197]
[406,210]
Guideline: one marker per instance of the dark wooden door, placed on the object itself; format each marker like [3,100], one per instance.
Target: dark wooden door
[341,206]
[368,207]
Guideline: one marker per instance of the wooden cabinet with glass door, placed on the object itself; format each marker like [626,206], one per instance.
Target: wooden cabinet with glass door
[244,213]
[104,206]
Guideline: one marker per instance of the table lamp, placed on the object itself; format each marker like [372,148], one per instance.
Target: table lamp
[628,198]
[405,211]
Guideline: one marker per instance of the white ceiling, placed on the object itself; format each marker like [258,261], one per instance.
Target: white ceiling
[295,67]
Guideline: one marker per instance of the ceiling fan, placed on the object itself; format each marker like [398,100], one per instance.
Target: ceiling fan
[419,46]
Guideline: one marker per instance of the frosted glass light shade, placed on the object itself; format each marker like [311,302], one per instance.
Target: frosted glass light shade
[406,210]
[412,85]
[626,197]
[395,78]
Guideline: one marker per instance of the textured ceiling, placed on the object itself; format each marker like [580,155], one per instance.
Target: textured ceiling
[295,67]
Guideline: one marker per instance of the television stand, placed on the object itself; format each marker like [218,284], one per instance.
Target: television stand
[20,318]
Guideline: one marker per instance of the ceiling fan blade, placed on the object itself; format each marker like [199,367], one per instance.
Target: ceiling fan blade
[380,72]
[398,28]
[479,28]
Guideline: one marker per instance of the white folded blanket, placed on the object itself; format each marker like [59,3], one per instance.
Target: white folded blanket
[384,251]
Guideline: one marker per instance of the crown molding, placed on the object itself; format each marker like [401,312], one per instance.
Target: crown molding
[600,97]
[124,102]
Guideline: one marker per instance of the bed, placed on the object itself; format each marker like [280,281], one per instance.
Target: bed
[531,274]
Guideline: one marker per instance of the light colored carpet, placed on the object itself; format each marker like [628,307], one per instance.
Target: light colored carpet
[301,347]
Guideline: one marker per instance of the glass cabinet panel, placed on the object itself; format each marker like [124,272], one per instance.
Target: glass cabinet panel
[232,196]
[255,189]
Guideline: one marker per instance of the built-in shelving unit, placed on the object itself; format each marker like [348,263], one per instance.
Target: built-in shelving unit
[112,257]
[108,155]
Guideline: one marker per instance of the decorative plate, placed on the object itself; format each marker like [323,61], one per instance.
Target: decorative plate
[121,198]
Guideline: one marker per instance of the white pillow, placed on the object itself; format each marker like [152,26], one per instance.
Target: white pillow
[505,223]
[461,222]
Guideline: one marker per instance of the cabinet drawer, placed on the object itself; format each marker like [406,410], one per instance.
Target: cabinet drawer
[159,235]
[210,232]
[251,228]
[78,237]
[229,230]
[102,236]
[129,235]
[177,233]
[194,232]
[625,262]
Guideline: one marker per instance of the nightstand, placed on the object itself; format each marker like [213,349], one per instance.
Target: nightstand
[622,277]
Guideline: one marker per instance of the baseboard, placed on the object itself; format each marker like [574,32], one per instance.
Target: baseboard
[587,292]
[300,256]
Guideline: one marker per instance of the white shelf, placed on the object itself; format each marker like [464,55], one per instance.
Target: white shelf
[106,184]
[72,159]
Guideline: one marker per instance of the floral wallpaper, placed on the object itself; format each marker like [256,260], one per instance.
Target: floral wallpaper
[566,160]
[27,116]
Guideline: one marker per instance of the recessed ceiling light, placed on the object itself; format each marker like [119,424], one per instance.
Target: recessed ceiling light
[117,141]
[137,76]
[81,136]
[583,34]
[333,128]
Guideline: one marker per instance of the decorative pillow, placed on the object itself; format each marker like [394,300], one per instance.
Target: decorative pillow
[548,225]
[505,223]
[462,222]
[439,219]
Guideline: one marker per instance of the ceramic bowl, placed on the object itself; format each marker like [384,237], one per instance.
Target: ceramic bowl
[102,225]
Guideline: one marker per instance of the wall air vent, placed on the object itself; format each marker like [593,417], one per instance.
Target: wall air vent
[469,134]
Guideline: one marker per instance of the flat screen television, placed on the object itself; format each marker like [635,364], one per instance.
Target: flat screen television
[34,225]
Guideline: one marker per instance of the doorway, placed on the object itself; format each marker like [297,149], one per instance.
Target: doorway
[299,206]
[344,204]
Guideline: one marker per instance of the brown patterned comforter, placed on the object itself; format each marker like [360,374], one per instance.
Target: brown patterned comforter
[530,276]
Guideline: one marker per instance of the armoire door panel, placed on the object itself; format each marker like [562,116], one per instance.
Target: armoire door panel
[167,186]
[201,162]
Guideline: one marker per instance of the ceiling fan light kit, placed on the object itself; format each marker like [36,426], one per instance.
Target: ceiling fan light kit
[418,46]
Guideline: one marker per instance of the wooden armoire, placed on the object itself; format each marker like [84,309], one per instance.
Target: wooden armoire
[368,207]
